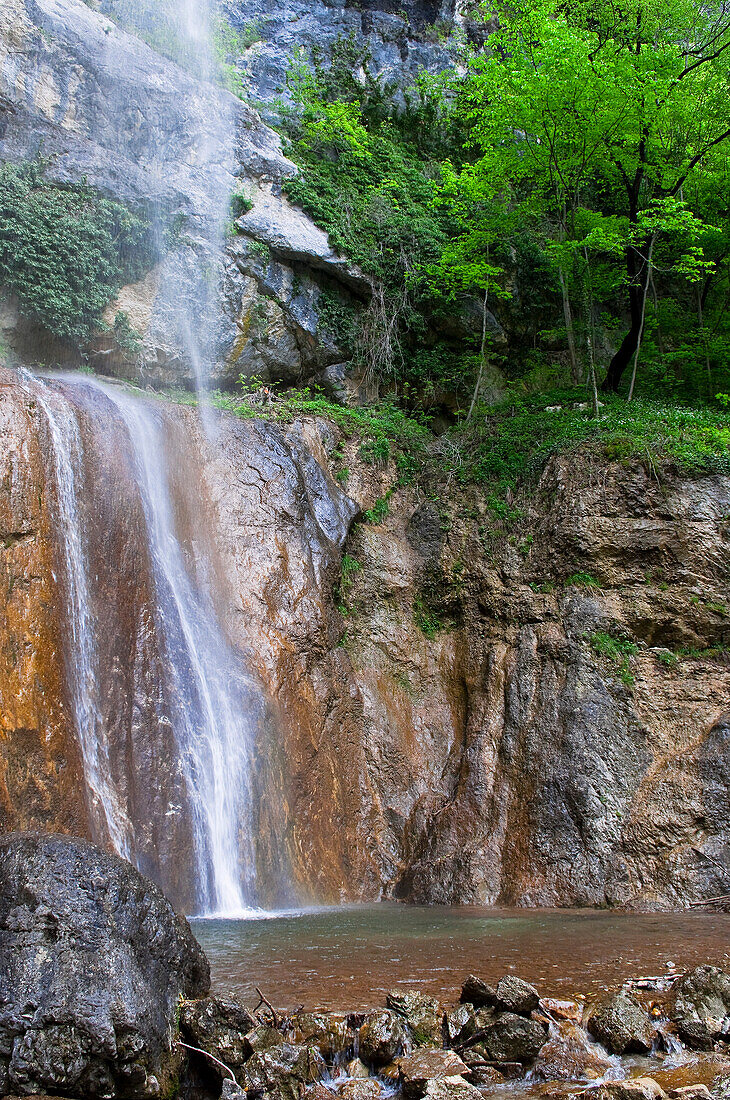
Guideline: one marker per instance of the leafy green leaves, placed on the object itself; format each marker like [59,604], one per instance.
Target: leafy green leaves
[66,250]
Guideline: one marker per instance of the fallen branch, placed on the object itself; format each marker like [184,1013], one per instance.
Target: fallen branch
[709,901]
[265,1001]
[212,1057]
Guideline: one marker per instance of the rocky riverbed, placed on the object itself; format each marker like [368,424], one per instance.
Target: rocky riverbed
[104,992]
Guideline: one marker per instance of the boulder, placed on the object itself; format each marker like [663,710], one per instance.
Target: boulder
[361,1089]
[263,1038]
[284,1070]
[218,1027]
[512,1038]
[568,1056]
[690,1092]
[416,1071]
[328,1031]
[356,1068]
[476,992]
[517,996]
[460,1023]
[699,1006]
[620,1023]
[93,963]
[382,1036]
[423,1014]
[638,1088]
[451,1088]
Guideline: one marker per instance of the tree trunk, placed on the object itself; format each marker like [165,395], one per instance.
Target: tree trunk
[635,262]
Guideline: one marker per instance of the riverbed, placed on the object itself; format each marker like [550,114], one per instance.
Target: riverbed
[350,957]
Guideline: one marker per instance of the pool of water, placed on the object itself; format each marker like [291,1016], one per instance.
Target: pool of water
[349,958]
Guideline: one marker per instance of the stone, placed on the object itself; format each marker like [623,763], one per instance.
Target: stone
[568,1056]
[328,1031]
[94,961]
[220,1028]
[415,1071]
[357,1068]
[460,1023]
[690,1092]
[231,1091]
[512,1038]
[517,996]
[284,1070]
[263,1038]
[563,1010]
[699,1006]
[451,1088]
[638,1088]
[423,1014]
[621,1023]
[476,992]
[361,1089]
[382,1037]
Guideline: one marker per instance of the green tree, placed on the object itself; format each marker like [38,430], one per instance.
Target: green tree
[620,108]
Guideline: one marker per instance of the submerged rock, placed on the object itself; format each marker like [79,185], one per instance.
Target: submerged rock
[699,1006]
[423,1014]
[328,1031]
[93,963]
[621,1023]
[568,1056]
[382,1037]
[361,1089]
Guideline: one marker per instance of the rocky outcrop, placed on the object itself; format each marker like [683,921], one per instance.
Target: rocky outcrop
[93,962]
[500,757]
[621,1023]
[700,1006]
[102,106]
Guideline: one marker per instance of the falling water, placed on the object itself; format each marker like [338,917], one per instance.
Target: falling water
[107,813]
[214,715]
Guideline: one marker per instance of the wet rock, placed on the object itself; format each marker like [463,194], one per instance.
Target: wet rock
[512,1038]
[699,1006]
[327,1031]
[563,1010]
[94,961]
[476,992]
[284,1070]
[711,1070]
[417,1070]
[451,1088]
[231,1091]
[568,1056]
[263,1038]
[382,1037]
[361,1089]
[460,1023]
[620,1023]
[219,1027]
[356,1068]
[690,1092]
[639,1088]
[517,996]
[423,1014]
[481,1072]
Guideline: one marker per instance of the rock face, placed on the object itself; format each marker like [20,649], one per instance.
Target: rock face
[501,760]
[105,107]
[93,961]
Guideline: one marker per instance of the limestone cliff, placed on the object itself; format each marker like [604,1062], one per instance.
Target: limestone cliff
[497,756]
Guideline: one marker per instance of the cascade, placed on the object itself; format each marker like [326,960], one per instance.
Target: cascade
[202,692]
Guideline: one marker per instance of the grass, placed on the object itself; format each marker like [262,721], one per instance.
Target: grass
[617,650]
[426,620]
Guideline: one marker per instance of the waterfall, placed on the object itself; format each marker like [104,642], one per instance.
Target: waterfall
[66,455]
[201,693]
[212,729]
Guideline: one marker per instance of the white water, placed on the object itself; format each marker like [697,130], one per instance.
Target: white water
[213,722]
[107,813]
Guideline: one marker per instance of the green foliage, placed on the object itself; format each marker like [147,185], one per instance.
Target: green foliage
[426,619]
[582,580]
[127,338]
[618,650]
[66,250]
[380,510]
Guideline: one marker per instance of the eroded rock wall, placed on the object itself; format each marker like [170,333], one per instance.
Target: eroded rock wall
[495,756]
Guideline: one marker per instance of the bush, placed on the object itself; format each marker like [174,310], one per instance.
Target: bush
[66,250]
